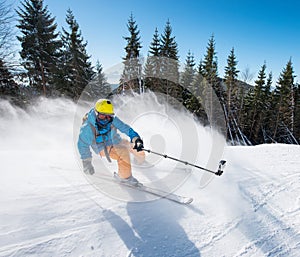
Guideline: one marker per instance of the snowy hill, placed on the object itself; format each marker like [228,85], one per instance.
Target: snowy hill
[48,207]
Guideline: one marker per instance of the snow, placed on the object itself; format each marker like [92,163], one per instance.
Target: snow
[49,208]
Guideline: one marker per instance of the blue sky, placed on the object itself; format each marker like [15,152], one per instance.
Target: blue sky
[258,30]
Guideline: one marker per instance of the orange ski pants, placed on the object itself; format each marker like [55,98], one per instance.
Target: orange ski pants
[121,153]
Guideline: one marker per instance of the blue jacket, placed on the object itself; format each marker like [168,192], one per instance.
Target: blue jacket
[94,134]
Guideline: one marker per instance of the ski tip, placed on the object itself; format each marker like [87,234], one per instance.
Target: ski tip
[186,200]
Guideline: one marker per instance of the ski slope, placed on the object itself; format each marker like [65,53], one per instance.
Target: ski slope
[49,208]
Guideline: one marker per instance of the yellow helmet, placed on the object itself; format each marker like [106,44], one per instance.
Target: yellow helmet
[104,106]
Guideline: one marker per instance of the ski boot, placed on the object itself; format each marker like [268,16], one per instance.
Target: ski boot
[131,181]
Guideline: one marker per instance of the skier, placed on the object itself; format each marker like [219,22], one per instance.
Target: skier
[99,131]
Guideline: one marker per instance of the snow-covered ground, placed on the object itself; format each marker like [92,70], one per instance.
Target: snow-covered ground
[49,208]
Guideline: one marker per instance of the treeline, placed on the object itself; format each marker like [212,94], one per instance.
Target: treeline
[52,63]
[57,64]
[254,114]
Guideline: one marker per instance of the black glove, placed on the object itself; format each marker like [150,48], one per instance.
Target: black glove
[138,144]
[88,167]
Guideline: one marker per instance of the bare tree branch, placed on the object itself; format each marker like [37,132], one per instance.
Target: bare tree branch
[7,32]
[246,75]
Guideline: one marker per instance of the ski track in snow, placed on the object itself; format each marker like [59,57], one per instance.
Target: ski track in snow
[48,208]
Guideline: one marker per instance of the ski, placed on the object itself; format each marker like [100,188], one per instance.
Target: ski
[170,196]
[160,193]
[153,191]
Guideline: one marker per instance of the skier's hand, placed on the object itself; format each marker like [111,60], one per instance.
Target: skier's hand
[138,144]
[87,166]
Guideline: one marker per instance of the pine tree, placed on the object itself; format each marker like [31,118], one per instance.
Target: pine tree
[186,81]
[77,68]
[192,83]
[198,82]
[188,74]
[257,109]
[201,68]
[284,105]
[210,69]
[231,105]
[230,79]
[246,113]
[131,77]
[102,87]
[170,65]
[267,91]
[196,104]
[267,110]
[152,74]
[169,54]
[155,44]
[8,87]
[40,44]
[213,93]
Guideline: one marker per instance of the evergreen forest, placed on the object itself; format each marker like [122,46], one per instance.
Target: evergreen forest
[55,63]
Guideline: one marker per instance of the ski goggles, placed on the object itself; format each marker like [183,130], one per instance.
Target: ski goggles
[103,116]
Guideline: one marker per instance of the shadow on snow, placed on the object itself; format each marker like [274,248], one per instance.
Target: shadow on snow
[154,230]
